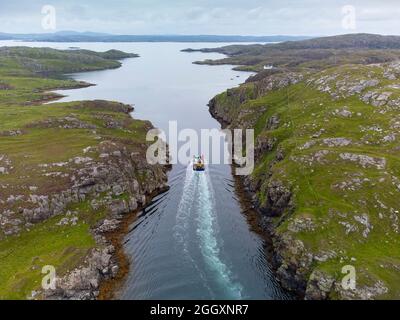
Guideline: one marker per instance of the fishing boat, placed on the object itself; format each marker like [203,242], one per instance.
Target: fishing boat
[198,163]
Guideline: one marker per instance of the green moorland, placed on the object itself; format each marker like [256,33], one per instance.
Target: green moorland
[34,140]
[327,166]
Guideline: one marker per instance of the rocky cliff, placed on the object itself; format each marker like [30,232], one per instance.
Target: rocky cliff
[327,173]
[69,175]
[96,185]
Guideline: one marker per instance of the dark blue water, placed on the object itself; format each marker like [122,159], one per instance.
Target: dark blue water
[192,242]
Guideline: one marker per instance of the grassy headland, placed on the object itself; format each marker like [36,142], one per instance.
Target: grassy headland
[68,172]
[327,176]
[309,54]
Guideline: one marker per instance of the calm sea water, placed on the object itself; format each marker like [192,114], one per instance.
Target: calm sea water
[192,242]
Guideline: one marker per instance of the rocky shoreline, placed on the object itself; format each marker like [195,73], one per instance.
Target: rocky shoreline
[287,276]
[102,187]
[72,176]
[113,184]
[105,267]
[290,259]
[307,263]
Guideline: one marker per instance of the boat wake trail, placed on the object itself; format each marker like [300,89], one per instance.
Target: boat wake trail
[207,232]
[182,234]
[184,209]
[196,213]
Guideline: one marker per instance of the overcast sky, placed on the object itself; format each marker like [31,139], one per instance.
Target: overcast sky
[239,17]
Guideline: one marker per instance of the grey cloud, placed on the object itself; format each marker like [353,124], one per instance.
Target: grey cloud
[312,17]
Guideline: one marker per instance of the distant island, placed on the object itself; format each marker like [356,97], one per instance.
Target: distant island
[311,53]
[72,36]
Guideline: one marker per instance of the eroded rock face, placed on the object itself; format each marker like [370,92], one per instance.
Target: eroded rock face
[377,99]
[69,122]
[369,89]
[319,286]
[10,133]
[83,283]
[337,142]
[340,85]
[114,177]
[294,262]
[278,197]
[277,81]
[230,113]
[364,160]
[361,293]
[263,144]
[346,155]
[102,181]
[273,123]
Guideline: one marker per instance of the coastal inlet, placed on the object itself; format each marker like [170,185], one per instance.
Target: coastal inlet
[194,241]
